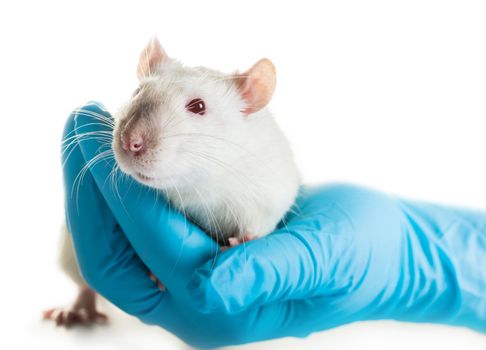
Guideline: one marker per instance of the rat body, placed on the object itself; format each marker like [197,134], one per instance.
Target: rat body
[208,142]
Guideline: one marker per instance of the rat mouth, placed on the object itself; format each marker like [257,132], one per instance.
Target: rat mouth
[143,177]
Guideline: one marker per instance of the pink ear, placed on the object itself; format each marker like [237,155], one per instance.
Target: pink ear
[257,85]
[151,57]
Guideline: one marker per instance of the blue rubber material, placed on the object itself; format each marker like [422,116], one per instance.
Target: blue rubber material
[346,254]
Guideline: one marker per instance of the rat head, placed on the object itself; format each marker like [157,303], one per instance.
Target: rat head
[179,122]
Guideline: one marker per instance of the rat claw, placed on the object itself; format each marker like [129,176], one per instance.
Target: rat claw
[248,237]
[236,241]
[47,315]
[71,317]
[233,241]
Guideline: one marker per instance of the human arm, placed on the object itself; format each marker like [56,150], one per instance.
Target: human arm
[346,254]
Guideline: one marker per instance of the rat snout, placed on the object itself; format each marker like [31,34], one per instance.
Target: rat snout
[133,142]
[139,129]
[139,137]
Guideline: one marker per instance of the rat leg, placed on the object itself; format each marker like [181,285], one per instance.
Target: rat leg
[83,311]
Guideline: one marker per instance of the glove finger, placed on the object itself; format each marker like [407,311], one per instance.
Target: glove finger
[326,250]
[276,267]
[170,245]
[293,262]
[105,257]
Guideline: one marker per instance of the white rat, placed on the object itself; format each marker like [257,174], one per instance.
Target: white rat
[208,142]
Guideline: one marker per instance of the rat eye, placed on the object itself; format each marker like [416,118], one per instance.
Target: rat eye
[196,106]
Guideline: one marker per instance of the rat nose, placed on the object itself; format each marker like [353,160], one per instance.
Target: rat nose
[133,143]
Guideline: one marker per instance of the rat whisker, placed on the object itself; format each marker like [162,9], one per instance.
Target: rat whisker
[226,141]
[119,176]
[229,168]
[76,132]
[214,228]
[182,208]
[116,181]
[81,137]
[107,121]
[88,133]
[75,143]
[227,206]
[252,191]
[172,119]
[88,165]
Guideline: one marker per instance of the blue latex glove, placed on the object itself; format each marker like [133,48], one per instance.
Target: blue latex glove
[348,254]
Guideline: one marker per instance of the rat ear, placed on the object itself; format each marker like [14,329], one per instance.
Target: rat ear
[257,85]
[152,56]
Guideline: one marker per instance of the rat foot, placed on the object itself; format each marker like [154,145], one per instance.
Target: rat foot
[156,280]
[83,312]
[236,241]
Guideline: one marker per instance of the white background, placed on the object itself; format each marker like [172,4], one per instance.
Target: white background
[390,94]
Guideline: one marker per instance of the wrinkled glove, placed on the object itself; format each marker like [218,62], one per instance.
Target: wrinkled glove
[343,254]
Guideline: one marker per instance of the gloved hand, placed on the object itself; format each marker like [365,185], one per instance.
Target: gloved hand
[345,254]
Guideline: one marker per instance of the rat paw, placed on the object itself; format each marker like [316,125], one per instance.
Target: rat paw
[236,241]
[160,285]
[82,313]
[72,317]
